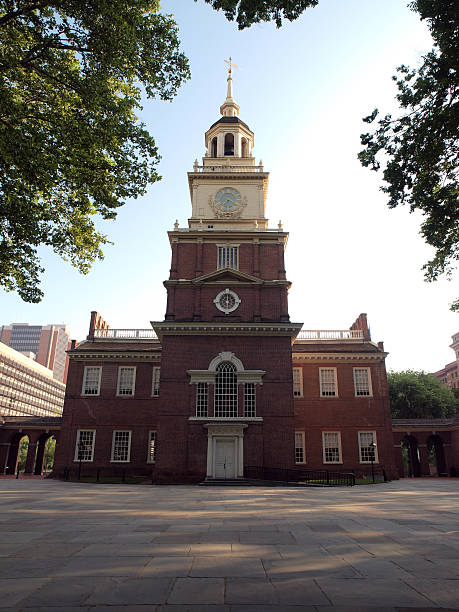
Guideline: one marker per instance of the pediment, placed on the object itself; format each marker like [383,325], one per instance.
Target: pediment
[227,275]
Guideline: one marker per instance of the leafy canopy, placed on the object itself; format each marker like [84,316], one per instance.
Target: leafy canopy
[416,395]
[248,12]
[420,149]
[71,74]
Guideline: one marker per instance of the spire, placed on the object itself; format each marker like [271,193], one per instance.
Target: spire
[229,108]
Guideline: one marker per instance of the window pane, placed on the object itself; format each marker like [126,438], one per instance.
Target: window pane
[202,393]
[152,447]
[327,381]
[84,448]
[228,257]
[331,447]
[121,440]
[367,452]
[91,380]
[155,381]
[297,382]
[126,381]
[249,400]
[299,447]
[226,391]
[362,381]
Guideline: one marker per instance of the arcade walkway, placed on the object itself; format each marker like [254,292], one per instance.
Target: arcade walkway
[71,546]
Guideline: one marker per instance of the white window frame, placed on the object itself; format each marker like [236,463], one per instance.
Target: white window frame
[250,400]
[155,381]
[340,453]
[132,393]
[152,434]
[370,389]
[93,445]
[228,256]
[202,399]
[323,392]
[83,386]
[112,458]
[301,435]
[298,383]
[375,440]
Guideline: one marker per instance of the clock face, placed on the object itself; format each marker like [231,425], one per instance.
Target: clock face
[227,301]
[228,200]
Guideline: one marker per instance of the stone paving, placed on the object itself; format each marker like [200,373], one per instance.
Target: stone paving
[67,546]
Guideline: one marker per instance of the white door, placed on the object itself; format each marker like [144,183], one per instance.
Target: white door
[224,458]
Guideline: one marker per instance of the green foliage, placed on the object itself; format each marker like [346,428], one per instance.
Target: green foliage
[70,144]
[421,147]
[22,454]
[416,395]
[248,12]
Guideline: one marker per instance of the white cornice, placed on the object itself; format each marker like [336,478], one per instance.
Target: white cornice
[170,328]
[111,356]
[338,356]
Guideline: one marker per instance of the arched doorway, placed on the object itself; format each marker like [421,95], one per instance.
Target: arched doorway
[410,456]
[213,147]
[17,455]
[436,455]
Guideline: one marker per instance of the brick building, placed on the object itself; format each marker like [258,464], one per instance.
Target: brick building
[449,375]
[226,384]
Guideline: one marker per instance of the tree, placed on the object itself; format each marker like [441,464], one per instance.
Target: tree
[70,144]
[415,395]
[420,148]
[248,12]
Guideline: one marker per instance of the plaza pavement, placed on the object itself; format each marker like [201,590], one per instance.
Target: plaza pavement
[71,546]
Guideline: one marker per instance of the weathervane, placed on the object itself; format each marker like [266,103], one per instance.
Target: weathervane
[231,64]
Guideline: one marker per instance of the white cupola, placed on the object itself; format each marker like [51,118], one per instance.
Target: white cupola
[229,137]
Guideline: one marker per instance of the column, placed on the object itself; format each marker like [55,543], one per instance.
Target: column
[30,460]
[424,460]
[4,450]
[12,458]
[220,144]
[40,457]
[240,462]
[209,473]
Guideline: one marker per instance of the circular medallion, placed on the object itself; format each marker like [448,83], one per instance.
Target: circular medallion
[227,301]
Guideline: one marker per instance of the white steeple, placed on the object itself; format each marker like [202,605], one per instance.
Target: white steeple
[229,108]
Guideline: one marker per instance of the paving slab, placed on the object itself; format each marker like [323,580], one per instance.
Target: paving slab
[374,548]
[197,591]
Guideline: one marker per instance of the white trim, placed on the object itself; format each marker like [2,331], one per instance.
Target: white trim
[92,447]
[375,440]
[118,394]
[340,450]
[303,447]
[225,356]
[227,419]
[128,460]
[299,371]
[84,381]
[335,383]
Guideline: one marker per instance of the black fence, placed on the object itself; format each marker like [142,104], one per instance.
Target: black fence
[313,477]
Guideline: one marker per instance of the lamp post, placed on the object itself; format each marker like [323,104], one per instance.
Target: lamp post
[372,446]
[81,449]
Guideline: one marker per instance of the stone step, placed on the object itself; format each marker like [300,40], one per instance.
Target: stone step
[250,482]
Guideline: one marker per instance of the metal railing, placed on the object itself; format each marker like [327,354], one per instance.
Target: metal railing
[224,168]
[297,475]
[330,334]
[125,334]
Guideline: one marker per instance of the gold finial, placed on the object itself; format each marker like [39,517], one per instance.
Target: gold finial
[231,64]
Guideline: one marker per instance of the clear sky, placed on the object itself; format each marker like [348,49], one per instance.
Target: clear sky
[303,90]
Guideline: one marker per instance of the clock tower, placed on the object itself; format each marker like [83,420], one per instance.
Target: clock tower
[226,403]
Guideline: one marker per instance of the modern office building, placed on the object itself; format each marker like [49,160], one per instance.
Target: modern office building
[47,344]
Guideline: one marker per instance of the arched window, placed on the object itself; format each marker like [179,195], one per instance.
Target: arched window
[213,147]
[229,144]
[226,390]
[244,148]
